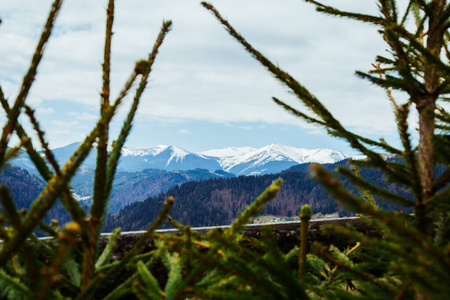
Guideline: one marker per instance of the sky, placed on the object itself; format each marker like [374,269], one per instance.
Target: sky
[205,91]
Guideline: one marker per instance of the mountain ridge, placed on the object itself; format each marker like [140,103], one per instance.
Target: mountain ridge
[269,159]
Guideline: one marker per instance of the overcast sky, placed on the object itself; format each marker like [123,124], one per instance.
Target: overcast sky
[205,91]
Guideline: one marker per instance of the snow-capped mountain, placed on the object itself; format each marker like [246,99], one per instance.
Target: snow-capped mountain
[228,152]
[237,160]
[169,158]
[270,159]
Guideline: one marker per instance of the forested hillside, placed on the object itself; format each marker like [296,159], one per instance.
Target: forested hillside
[129,187]
[218,201]
[24,186]
[203,198]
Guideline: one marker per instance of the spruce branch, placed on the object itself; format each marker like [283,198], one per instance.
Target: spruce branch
[389,82]
[202,242]
[305,217]
[73,206]
[254,208]
[175,284]
[15,284]
[28,79]
[411,233]
[302,93]
[67,239]
[441,181]
[382,246]
[445,16]
[407,12]
[152,286]
[297,113]
[37,160]
[150,258]
[14,151]
[99,201]
[441,198]
[49,196]
[360,182]
[184,228]
[41,136]
[100,277]
[241,270]
[294,288]
[10,207]
[409,154]
[366,193]
[422,5]
[339,13]
[382,145]
[144,68]
[363,275]
[416,266]
[388,91]
[426,54]
[408,83]
[38,210]
[98,207]
[384,60]
[108,250]
[394,12]
[446,40]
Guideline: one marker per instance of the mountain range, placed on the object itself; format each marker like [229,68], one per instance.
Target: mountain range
[203,197]
[270,159]
[148,172]
[218,201]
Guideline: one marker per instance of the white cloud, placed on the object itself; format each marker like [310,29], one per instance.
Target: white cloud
[84,116]
[45,111]
[184,131]
[201,73]
[66,124]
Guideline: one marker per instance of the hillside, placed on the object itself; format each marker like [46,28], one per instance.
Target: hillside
[24,186]
[203,198]
[218,201]
[129,187]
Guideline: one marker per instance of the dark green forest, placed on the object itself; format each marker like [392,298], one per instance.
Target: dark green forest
[207,202]
[218,201]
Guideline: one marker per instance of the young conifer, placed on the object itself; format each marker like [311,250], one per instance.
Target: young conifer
[31,268]
[416,246]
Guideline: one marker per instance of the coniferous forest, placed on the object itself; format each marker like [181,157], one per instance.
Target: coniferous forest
[407,199]
[218,201]
[207,202]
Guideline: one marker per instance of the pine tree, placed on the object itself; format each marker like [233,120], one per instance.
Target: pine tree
[417,247]
[29,267]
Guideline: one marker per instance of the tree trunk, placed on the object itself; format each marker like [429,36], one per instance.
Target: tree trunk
[426,106]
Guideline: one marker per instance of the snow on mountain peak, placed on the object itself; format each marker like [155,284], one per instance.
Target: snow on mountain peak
[231,156]
[227,152]
[144,152]
[237,160]
[272,158]
[247,159]
[177,153]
